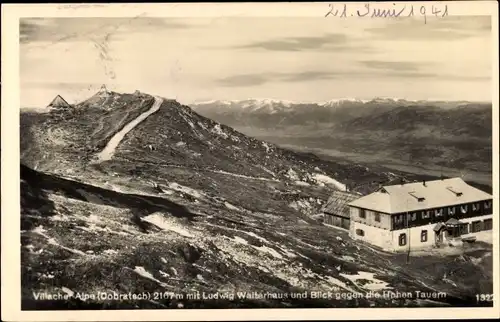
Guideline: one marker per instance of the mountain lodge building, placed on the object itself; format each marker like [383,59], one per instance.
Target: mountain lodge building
[419,215]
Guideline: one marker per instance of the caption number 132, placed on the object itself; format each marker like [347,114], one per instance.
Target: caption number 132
[484,297]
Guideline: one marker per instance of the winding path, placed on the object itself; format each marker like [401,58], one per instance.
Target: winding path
[108,152]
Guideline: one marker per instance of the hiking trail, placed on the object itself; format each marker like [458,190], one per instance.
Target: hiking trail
[108,152]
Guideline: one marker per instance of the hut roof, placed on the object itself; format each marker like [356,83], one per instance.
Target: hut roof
[58,101]
[338,202]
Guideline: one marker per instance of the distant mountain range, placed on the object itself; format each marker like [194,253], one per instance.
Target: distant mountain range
[277,104]
[454,134]
[269,113]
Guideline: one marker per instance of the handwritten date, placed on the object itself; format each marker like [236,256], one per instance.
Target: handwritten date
[372,11]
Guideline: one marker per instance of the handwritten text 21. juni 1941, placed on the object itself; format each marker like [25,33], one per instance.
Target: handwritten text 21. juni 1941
[371,10]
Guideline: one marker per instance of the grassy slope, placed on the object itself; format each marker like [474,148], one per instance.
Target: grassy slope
[218,249]
[242,229]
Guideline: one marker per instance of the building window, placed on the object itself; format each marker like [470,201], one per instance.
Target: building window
[426,214]
[362,213]
[360,232]
[344,223]
[402,239]
[377,217]
[488,224]
[475,226]
[451,211]
[423,236]
[463,209]
[438,212]
[412,216]
[476,207]
[487,205]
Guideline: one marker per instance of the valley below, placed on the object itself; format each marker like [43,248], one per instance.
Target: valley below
[480,172]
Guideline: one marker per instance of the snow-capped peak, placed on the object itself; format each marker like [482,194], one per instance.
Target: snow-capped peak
[257,103]
[211,102]
[276,104]
[338,101]
[248,102]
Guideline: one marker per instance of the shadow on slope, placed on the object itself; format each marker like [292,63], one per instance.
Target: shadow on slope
[141,205]
[34,201]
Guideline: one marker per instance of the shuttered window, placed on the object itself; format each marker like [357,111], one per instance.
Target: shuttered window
[360,232]
[423,236]
[488,224]
[402,239]
[476,226]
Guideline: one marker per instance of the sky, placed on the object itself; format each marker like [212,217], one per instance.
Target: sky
[303,59]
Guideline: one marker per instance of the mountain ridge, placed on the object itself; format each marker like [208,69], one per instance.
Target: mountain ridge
[332,102]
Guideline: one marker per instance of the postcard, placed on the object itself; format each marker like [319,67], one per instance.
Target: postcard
[254,161]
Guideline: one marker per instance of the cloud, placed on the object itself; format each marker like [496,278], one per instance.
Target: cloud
[408,69]
[392,65]
[41,33]
[299,43]
[327,42]
[307,76]
[243,80]
[29,29]
[54,30]
[262,78]
[435,29]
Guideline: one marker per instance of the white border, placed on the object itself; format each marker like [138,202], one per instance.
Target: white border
[10,161]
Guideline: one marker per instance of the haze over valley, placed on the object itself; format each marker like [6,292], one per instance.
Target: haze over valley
[452,138]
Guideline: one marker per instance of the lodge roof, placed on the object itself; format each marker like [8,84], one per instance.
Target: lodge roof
[420,195]
[338,202]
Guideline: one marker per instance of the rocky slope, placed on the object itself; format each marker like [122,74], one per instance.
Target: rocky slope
[188,206]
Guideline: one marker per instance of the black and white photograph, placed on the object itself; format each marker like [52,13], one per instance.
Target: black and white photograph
[343,159]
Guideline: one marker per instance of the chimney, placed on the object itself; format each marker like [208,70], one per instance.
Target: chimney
[424,184]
